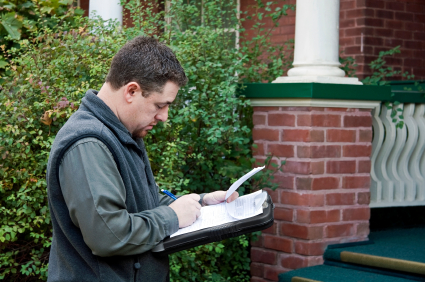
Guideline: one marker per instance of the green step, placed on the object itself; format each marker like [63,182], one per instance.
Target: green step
[326,273]
[391,250]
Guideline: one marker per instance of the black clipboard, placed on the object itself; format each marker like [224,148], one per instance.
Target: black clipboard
[219,232]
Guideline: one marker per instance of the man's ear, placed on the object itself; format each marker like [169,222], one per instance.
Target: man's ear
[131,90]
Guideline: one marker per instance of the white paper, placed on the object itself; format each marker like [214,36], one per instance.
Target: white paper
[217,214]
[210,216]
[242,180]
[245,206]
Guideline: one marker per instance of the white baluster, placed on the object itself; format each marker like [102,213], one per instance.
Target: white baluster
[378,137]
[382,158]
[420,196]
[393,159]
[414,162]
[411,129]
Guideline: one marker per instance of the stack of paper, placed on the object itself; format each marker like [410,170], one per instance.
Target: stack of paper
[243,207]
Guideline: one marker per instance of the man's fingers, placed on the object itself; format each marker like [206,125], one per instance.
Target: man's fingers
[196,197]
[187,209]
[197,206]
[214,197]
[219,197]
[233,197]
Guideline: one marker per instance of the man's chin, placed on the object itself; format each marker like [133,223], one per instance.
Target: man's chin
[141,134]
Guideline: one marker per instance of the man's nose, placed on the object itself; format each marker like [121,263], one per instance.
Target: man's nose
[162,115]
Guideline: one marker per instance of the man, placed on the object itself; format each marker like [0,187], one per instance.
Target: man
[106,211]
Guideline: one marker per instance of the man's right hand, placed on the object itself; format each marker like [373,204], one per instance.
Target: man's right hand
[187,209]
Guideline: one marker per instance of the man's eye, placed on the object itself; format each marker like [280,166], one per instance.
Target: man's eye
[159,107]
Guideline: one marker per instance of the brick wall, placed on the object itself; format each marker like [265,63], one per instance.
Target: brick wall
[384,24]
[84,4]
[323,194]
[286,29]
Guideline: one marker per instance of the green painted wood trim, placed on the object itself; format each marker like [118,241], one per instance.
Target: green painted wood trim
[302,279]
[316,91]
[408,83]
[408,91]
[383,262]
[408,97]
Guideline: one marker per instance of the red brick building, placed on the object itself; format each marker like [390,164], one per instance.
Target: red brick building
[370,26]
[366,28]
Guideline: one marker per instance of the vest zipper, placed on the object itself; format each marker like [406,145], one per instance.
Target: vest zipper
[136,269]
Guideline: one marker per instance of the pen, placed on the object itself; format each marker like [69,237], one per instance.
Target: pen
[169,194]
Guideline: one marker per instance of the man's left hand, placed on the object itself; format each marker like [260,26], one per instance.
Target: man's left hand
[219,197]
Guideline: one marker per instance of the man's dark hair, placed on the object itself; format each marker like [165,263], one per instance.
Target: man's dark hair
[149,63]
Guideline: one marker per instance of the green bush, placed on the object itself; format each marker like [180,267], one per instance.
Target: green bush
[48,80]
[19,19]
[204,146]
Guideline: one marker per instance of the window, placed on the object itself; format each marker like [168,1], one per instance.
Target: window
[200,15]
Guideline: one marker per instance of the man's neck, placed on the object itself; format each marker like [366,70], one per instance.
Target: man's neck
[110,97]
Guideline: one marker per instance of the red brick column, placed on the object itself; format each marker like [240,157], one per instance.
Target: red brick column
[323,194]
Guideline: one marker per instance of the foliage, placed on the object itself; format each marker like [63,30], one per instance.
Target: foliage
[348,65]
[256,42]
[380,76]
[396,113]
[204,146]
[223,261]
[19,19]
[49,78]
[380,73]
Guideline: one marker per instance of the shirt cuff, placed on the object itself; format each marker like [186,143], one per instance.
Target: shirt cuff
[201,199]
[171,219]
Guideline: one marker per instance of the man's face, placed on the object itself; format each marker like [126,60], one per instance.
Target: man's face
[144,113]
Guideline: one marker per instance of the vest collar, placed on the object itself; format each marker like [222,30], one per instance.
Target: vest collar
[101,111]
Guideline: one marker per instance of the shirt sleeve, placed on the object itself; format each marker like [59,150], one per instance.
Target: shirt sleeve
[95,196]
[165,200]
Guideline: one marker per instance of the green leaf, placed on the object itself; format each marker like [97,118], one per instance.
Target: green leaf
[3,64]
[27,4]
[66,2]
[11,25]
[46,9]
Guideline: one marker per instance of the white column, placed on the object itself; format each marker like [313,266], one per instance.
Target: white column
[316,57]
[106,9]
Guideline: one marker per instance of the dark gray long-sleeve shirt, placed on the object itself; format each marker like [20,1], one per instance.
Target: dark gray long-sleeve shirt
[95,196]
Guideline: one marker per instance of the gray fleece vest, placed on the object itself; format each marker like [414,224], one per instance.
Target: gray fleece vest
[70,258]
